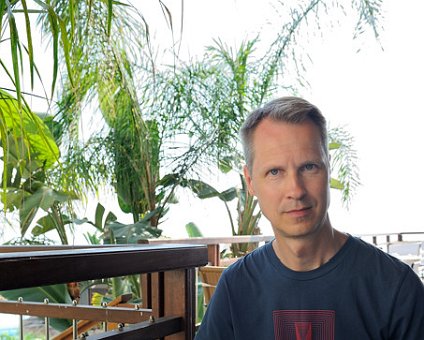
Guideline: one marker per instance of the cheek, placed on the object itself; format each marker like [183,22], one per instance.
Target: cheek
[268,198]
[321,191]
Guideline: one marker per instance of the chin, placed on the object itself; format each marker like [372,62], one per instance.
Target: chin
[297,231]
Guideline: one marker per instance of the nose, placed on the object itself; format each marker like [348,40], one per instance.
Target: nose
[295,187]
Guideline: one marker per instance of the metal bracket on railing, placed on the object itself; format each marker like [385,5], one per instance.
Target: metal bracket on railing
[46,322]
[75,323]
[21,321]
[104,305]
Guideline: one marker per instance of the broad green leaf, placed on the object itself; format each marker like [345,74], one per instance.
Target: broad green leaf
[23,123]
[98,218]
[224,165]
[336,184]
[111,217]
[19,164]
[228,195]
[201,189]
[25,218]
[43,198]
[169,180]
[204,190]
[81,221]
[334,145]
[193,230]
[47,223]
[131,233]
[14,198]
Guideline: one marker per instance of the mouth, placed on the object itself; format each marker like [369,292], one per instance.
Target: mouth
[300,212]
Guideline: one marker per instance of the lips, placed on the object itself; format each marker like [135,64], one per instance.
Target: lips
[298,212]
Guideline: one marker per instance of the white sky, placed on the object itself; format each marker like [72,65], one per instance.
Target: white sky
[377,95]
[374,94]
[366,92]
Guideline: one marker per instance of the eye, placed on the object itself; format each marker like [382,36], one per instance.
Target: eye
[274,172]
[310,168]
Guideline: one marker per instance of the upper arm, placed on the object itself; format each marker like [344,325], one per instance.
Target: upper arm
[408,311]
[217,323]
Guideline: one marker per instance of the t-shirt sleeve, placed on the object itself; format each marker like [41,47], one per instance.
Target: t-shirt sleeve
[216,324]
[408,311]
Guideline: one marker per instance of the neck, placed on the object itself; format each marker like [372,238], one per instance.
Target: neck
[309,252]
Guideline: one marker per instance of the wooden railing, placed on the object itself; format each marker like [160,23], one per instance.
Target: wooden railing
[214,243]
[169,284]
[383,240]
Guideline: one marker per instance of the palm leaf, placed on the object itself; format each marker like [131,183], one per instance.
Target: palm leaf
[109,16]
[29,40]
[16,57]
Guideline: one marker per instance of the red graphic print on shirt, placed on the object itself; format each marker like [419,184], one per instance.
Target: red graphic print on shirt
[304,324]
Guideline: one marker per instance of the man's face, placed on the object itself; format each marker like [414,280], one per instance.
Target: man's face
[290,177]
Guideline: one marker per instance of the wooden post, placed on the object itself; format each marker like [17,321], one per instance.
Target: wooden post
[180,300]
[152,293]
[213,254]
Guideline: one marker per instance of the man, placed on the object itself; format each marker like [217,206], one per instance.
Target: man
[312,281]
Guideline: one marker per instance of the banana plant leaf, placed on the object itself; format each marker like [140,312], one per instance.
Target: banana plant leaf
[24,123]
[204,190]
[193,230]
[131,233]
[48,223]
[43,198]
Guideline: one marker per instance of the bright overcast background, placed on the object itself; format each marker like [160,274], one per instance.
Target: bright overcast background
[374,93]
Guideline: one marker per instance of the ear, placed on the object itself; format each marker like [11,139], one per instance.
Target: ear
[248,180]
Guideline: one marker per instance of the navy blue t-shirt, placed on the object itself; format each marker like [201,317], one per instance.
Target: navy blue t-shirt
[361,293]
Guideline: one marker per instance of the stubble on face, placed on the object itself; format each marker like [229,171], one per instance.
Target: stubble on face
[290,177]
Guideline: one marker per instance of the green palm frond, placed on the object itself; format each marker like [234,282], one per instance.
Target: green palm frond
[343,163]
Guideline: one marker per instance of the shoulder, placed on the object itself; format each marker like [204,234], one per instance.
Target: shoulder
[372,255]
[249,266]
[380,266]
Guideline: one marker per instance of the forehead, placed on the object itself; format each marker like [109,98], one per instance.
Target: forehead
[273,138]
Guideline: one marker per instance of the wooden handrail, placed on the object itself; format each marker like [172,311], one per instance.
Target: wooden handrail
[173,297]
[214,243]
[37,268]
[214,240]
[19,248]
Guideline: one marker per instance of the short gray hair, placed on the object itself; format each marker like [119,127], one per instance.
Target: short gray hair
[292,110]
